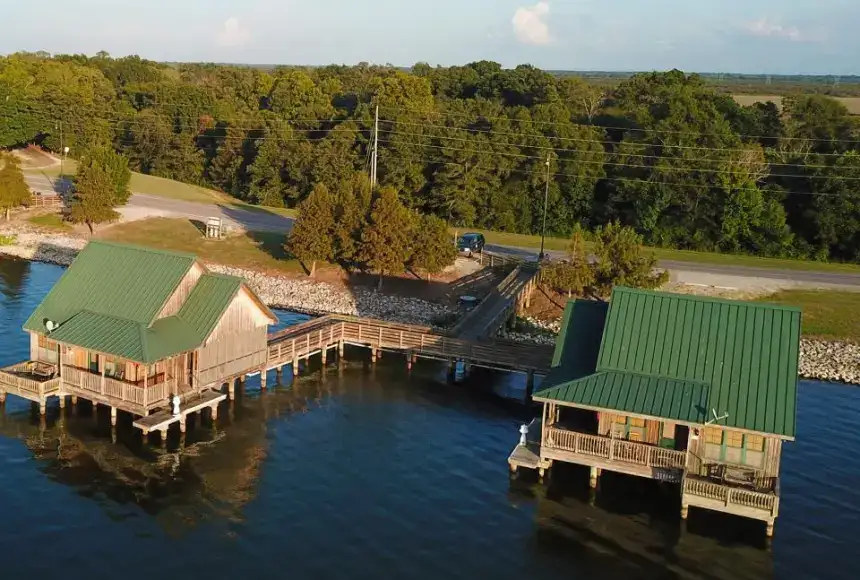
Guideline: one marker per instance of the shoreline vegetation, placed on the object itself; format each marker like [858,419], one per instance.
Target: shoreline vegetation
[669,154]
[834,359]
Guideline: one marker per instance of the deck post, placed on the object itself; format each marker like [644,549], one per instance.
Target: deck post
[62,399]
[324,354]
[113,416]
[592,478]
[340,349]
[2,397]
[769,530]
[43,407]
[214,410]
[685,511]
[231,389]
[182,424]
[372,354]
[263,379]
[295,366]
[74,399]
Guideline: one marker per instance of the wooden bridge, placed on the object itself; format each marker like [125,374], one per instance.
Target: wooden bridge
[500,305]
[289,346]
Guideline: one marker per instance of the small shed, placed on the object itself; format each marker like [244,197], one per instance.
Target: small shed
[214,228]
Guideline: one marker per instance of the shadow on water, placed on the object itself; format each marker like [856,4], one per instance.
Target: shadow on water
[630,527]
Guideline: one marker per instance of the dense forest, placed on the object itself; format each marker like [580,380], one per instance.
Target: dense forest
[666,153]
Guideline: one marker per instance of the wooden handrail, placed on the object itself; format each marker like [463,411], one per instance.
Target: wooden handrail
[615,449]
[729,495]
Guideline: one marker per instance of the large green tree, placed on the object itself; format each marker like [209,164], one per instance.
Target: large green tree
[14,191]
[310,239]
[574,275]
[622,261]
[432,247]
[386,241]
[94,197]
[116,167]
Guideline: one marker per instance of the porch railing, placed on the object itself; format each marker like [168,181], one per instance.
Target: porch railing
[614,449]
[19,377]
[116,389]
[728,495]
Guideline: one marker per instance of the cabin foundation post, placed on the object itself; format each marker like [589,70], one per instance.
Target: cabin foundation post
[43,407]
[231,390]
[409,360]
[279,374]
[62,401]
[340,349]
[113,416]
[592,478]
[2,397]
[163,438]
[263,379]
[769,530]
[182,425]
[685,511]
[214,412]
[372,354]
[74,399]
[324,354]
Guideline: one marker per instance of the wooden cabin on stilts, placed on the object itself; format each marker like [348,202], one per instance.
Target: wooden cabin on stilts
[700,392]
[142,331]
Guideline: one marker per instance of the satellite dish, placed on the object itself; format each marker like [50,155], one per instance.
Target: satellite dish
[50,325]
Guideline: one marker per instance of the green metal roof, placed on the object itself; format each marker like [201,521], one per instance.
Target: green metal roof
[745,353]
[678,400]
[109,298]
[578,343]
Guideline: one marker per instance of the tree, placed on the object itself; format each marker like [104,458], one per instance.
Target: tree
[94,197]
[14,190]
[622,261]
[115,166]
[432,250]
[575,275]
[352,206]
[310,240]
[385,239]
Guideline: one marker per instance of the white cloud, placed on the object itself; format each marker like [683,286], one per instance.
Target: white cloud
[768,28]
[530,24]
[233,33]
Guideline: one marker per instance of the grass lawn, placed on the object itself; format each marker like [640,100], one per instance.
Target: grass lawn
[560,244]
[254,251]
[826,314]
[50,221]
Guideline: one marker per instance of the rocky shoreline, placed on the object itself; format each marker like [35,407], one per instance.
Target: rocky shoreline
[305,296]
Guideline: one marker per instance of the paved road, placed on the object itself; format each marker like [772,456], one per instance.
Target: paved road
[143,205]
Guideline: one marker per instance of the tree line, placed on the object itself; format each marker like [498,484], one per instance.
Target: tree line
[665,153]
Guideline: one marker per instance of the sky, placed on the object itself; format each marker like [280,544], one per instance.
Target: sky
[751,36]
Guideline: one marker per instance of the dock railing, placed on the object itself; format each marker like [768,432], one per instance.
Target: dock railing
[768,503]
[19,379]
[110,389]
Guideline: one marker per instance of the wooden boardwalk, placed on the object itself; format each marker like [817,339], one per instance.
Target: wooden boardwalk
[500,304]
[329,332]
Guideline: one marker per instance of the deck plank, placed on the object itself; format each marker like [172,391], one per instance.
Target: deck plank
[163,419]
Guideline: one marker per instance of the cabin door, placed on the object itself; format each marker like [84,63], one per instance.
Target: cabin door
[189,369]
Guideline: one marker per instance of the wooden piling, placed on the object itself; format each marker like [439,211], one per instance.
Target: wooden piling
[685,511]
[113,416]
[263,379]
[2,397]
[62,402]
[592,478]
[74,399]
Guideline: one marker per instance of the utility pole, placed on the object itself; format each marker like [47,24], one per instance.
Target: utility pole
[545,203]
[374,155]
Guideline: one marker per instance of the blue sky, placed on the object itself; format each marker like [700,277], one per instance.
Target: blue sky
[774,36]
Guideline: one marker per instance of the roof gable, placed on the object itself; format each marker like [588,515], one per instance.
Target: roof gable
[747,353]
[113,280]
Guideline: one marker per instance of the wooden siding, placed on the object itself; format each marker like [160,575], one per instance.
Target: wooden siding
[39,352]
[175,302]
[699,457]
[232,355]
[242,316]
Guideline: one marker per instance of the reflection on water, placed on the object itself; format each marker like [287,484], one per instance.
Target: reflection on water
[369,471]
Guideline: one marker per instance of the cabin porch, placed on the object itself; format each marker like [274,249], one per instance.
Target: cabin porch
[758,500]
[31,380]
[593,439]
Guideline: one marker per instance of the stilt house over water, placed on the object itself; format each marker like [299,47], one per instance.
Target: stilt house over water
[696,391]
[131,327]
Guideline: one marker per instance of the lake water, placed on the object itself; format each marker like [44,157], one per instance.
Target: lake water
[364,472]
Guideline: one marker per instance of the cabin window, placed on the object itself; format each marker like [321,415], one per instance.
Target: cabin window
[631,428]
[734,439]
[734,447]
[754,443]
[46,343]
[713,436]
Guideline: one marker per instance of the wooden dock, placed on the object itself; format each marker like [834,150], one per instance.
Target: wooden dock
[162,420]
[318,336]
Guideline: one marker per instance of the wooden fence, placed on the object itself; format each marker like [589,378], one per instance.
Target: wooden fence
[610,449]
[732,496]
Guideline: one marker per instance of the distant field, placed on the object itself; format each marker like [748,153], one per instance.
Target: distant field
[851,103]
[826,314]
